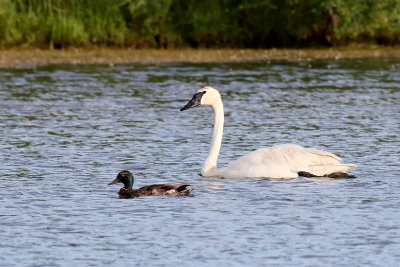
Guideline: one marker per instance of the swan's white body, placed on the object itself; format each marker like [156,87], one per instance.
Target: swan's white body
[281,161]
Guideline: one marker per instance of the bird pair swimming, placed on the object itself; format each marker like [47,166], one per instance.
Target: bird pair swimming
[280,161]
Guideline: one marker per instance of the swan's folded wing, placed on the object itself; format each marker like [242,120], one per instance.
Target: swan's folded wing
[286,161]
[296,156]
[322,153]
[319,162]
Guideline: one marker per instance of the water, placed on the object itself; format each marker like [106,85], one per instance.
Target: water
[66,131]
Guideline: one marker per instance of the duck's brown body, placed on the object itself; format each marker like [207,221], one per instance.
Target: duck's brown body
[126,178]
[157,190]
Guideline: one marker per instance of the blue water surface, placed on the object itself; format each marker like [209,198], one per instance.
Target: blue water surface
[67,130]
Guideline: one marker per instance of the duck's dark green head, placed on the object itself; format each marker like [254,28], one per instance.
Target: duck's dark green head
[124,177]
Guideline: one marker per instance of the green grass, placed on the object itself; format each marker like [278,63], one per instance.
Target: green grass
[192,23]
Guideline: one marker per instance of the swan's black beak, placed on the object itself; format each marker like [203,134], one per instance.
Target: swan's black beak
[194,102]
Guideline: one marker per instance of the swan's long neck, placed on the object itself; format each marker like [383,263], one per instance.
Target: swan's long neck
[210,164]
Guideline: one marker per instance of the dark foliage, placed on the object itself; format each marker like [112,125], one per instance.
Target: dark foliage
[190,23]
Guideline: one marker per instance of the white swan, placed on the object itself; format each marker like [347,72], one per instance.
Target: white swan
[281,161]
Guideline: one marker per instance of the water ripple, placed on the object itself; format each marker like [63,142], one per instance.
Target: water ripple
[67,130]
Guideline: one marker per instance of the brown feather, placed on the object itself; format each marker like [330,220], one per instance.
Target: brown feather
[157,190]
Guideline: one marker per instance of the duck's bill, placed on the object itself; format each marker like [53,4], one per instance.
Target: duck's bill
[194,102]
[114,182]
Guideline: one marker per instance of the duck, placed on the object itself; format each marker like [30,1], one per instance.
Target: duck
[279,161]
[126,177]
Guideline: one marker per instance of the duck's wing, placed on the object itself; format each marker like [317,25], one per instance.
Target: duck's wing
[177,187]
[163,189]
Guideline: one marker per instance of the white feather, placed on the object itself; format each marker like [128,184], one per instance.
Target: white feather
[284,161]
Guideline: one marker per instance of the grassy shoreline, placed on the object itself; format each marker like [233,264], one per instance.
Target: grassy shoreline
[36,57]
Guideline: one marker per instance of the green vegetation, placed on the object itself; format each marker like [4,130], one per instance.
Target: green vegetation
[191,23]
